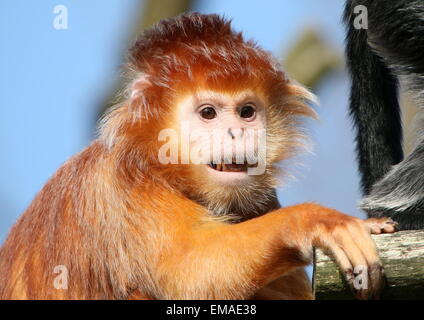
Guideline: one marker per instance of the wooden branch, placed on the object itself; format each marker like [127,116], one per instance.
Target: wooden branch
[402,254]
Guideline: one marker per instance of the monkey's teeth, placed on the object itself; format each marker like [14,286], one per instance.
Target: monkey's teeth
[228,167]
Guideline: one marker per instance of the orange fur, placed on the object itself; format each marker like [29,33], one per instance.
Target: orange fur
[126,226]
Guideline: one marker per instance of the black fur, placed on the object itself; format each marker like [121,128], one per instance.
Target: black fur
[391,49]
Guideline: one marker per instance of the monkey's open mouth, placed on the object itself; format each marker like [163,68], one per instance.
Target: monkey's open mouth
[231,167]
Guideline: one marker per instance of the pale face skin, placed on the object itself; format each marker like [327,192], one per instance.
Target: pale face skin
[225,129]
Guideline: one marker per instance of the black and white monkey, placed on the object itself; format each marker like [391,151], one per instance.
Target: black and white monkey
[389,51]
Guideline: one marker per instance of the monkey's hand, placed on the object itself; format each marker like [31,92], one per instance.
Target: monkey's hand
[349,241]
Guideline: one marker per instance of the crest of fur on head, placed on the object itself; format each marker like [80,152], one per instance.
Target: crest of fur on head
[193,52]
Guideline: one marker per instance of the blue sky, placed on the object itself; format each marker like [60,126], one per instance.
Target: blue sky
[53,81]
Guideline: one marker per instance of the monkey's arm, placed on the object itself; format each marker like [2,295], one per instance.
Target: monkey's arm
[233,261]
[374,105]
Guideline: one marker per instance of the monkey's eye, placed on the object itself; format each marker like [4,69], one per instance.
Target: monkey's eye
[247,112]
[208,113]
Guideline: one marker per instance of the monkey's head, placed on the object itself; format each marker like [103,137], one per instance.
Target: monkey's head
[208,113]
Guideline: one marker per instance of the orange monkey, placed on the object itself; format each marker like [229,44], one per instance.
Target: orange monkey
[123,223]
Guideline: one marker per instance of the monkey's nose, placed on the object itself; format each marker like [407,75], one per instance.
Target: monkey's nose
[234,132]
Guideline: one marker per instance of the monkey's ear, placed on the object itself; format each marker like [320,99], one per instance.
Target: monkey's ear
[138,103]
[301,92]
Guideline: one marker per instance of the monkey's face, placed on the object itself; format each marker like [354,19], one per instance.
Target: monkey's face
[220,146]
[223,136]
[227,145]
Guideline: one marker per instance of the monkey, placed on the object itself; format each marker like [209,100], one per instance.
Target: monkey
[130,218]
[379,57]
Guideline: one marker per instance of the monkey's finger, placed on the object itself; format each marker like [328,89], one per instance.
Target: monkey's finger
[381,225]
[374,228]
[342,260]
[377,280]
[388,225]
[360,285]
[365,243]
[375,268]
[352,250]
